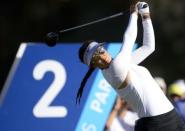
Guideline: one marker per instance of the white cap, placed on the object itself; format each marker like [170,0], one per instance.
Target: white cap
[88,54]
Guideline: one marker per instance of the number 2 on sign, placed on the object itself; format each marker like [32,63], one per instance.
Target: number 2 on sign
[43,109]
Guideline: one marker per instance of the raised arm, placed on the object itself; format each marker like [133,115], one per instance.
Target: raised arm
[148,35]
[130,34]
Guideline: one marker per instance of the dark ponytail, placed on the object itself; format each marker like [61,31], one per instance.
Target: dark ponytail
[80,90]
[88,74]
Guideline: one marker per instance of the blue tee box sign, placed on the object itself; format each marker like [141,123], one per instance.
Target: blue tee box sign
[40,92]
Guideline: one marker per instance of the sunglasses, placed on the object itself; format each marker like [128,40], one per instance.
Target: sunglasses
[99,50]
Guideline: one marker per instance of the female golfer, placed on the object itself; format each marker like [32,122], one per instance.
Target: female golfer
[132,82]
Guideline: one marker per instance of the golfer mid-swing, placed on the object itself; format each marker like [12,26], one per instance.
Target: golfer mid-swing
[132,82]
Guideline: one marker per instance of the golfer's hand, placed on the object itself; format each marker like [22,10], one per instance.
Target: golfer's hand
[143,9]
[134,8]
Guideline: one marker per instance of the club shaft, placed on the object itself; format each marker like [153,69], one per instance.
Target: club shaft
[94,22]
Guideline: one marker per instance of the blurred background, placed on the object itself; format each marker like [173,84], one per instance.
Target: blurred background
[31,20]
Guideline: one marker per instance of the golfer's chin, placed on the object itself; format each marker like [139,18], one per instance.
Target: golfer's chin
[104,65]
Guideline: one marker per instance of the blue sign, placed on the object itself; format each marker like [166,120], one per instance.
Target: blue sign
[40,92]
[100,101]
